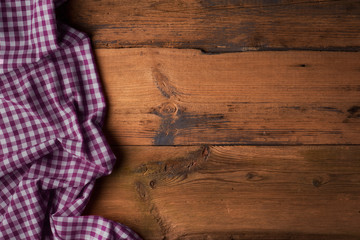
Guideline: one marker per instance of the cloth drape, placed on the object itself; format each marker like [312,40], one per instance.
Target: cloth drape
[52,108]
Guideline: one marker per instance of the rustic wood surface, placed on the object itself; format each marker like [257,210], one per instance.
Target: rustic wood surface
[299,112]
[219,25]
[234,192]
[184,97]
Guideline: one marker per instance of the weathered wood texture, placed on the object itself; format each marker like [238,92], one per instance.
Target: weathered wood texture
[234,192]
[218,26]
[184,97]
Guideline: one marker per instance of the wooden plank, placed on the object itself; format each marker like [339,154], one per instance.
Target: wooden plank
[234,192]
[218,26]
[184,97]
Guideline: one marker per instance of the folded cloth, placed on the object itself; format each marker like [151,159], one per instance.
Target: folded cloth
[51,113]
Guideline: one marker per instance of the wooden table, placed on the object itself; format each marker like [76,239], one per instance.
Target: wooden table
[231,119]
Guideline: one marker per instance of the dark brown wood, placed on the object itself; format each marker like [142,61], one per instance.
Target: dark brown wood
[219,26]
[234,192]
[184,97]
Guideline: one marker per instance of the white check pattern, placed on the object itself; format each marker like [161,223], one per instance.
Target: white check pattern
[51,112]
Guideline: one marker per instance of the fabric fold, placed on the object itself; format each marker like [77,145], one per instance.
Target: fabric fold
[52,148]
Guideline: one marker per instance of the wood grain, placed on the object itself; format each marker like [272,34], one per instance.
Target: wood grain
[219,26]
[184,97]
[234,192]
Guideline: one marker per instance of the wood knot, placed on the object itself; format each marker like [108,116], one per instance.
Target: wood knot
[319,181]
[165,109]
[253,176]
[169,108]
[354,112]
[152,184]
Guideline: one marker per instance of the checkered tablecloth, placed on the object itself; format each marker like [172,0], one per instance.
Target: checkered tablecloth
[51,113]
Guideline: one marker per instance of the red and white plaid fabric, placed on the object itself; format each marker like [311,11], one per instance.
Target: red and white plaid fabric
[51,113]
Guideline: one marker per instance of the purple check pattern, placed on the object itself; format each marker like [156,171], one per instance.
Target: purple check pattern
[51,112]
